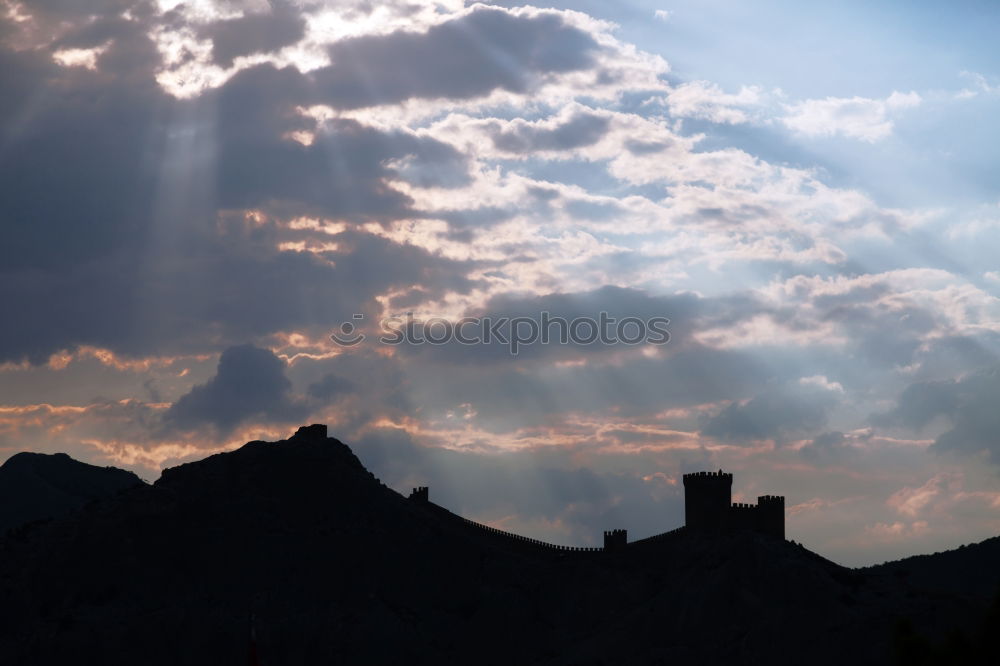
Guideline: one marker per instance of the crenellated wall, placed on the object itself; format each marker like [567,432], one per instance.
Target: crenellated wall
[529,541]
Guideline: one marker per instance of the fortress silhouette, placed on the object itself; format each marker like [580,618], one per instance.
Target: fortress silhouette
[708,508]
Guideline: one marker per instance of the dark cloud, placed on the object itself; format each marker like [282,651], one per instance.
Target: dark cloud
[470,56]
[250,384]
[920,404]
[778,415]
[138,253]
[342,174]
[255,33]
[584,129]
[160,304]
[950,355]
[833,446]
[331,387]
[883,334]
[970,404]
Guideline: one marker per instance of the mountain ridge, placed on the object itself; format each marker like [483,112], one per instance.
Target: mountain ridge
[337,567]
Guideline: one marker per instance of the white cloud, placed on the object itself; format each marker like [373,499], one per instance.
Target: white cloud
[857,117]
[80,57]
[980,86]
[663,14]
[912,501]
[983,219]
[707,101]
[821,381]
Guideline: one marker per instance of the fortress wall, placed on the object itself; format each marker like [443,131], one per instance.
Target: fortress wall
[707,506]
[656,538]
[529,541]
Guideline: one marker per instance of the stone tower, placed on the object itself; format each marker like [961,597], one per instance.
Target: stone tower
[771,515]
[707,498]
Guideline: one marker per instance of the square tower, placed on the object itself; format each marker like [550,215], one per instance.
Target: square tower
[707,498]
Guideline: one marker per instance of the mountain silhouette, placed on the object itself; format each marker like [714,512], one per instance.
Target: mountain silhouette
[36,486]
[333,567]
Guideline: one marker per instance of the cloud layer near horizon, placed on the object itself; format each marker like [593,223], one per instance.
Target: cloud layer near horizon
[196,195]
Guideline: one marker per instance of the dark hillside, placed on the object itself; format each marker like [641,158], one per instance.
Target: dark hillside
[337,568]
[36,486]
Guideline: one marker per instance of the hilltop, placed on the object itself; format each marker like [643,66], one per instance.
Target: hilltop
[338,568]
[36,486]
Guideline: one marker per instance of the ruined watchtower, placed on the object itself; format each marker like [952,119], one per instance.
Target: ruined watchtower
[707,498]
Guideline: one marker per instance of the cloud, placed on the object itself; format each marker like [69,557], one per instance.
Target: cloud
[835,447]
[331,387]
[663,15]
[177,201]
[860,118]
[976,417]
[911,502]
[537,493]
[583,129]
[255,33]
[921,403]
[707,101]
[179,182]
[969,405]
[980,86]
[250,383]
[777,415]
[822,382]
[470,56]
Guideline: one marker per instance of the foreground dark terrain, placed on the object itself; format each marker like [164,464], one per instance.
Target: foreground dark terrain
[338,569]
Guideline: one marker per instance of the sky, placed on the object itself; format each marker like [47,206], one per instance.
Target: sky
[195,195]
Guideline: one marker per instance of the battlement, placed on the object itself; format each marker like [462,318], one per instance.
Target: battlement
[420,494]
[615,539]
[696,477]
[771,515]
